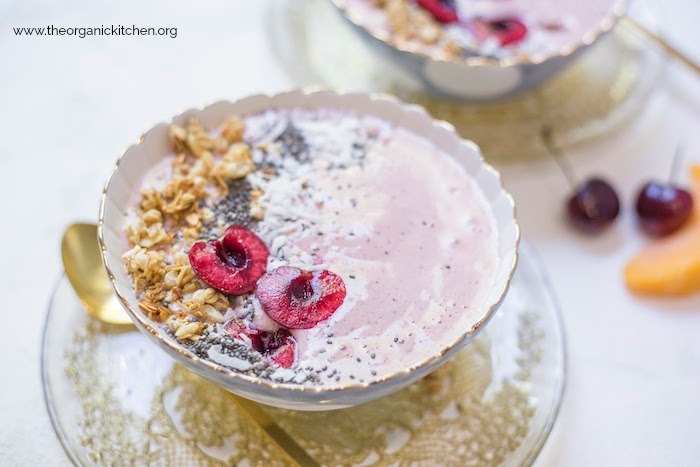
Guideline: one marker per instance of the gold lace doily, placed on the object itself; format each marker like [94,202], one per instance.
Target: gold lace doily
[115,399]
[601,91]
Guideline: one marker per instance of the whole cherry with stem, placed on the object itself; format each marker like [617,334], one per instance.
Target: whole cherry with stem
[594,205]
[663,208]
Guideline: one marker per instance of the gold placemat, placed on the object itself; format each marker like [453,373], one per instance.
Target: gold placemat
[191,417]
[116,399]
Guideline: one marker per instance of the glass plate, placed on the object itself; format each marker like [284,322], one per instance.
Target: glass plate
[115,399]
[602,90]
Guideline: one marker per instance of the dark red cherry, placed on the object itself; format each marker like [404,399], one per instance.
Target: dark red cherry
[594,206]
[233,264]
[299,299]
[507,30]
[443,11]
[662,208]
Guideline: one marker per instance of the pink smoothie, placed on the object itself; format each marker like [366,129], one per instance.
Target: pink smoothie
[412,236]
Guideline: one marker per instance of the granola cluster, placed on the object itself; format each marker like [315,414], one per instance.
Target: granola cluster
[410,23]
[168,221]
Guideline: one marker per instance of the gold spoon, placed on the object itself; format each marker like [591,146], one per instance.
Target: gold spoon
[83,265]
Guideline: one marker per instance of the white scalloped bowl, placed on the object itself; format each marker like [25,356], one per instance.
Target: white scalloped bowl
[474,77]
[154,146]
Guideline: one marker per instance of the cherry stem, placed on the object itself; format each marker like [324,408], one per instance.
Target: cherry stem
[676,164]
[562,163]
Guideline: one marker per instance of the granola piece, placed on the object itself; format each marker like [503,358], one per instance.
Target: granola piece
[152,216]
[185,276]
[221,144]
[190,331]
[181,202]
[191,234]
[155,293]
[207,305]
[178,138]
[452,49]
[192,286]
[206,214]
[133,233]
[181,166]
[174,294]
[147,236]
[155,310]
[203,166]
[236,163]
[233,129]
[429,34]
[174,322]
[399,17]
[207,313]
[198,140]
[170,279]
[257,211]
[186,330]
[150,199]
[427,29]
[182,193]
[192,219]
[146,267]
[220,183]
[155,234]
[178,275]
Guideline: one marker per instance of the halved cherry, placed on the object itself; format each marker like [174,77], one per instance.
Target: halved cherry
[282,348]
[233,264]
[442,10]
[299,299]
[237,329]
[279,347]
[507,30]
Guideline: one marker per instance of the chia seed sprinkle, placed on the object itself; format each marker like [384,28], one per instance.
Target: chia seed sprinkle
[234,208]
[294,144]
[218,342]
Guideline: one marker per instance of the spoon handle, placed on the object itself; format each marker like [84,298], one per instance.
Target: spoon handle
[661,42]
[274,432]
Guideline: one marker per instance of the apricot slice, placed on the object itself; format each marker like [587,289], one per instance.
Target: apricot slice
[670,265]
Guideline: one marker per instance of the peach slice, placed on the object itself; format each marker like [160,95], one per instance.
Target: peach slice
[670,265]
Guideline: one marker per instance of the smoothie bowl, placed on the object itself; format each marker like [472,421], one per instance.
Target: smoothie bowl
[481,49]
[308,250]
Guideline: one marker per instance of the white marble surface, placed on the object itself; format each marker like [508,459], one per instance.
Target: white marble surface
[70,105]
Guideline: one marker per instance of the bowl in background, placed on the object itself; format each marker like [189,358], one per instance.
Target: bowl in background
[472,77]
